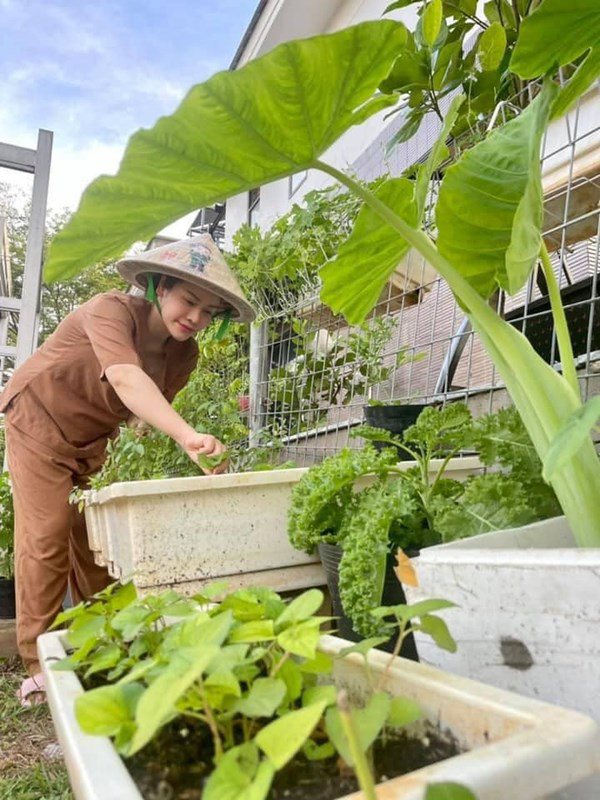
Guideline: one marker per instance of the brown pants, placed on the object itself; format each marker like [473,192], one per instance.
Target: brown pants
[51,548]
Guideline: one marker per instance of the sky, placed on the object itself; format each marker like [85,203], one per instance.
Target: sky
[95,72]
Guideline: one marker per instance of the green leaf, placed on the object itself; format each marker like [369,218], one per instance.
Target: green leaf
[448,791]
[572,28]
[321,664]
[437,154]
[573,434]
[432,21]
[326,693]
[585,75]
[365,646]
[368,258]
[240,129]
[222,683]
[104,658]
[368,723]
[157,704]
[301,607]
[301,639]
[438,630]
[402,712]
[317,752]
[490,208]
[259,630]
[406,613]
[103,711]
[240,775]
[263,699]
[85,628]
[291,675]
[491,47]
[281,739]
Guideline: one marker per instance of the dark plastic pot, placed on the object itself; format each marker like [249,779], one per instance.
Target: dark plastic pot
[7,598]
[393,594]
[395,419]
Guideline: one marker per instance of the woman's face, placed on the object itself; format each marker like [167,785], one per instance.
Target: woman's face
[187,309]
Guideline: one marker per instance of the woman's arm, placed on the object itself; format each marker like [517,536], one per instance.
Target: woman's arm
[142,397]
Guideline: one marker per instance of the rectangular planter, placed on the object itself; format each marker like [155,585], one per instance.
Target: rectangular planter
[187,531]
[518,748]
[528,616]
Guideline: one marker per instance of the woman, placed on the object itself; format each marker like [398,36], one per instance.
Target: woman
[115,357]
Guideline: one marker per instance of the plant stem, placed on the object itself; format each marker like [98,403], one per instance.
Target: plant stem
[361,765]
[212,724]
[563,338]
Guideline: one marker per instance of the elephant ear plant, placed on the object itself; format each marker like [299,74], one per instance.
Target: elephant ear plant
[277,116]
[243,677]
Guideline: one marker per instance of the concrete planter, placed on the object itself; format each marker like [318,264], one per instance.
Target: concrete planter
[187,531]
[518,748]
[528,617]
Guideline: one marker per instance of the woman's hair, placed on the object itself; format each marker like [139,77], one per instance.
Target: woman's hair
[168,280]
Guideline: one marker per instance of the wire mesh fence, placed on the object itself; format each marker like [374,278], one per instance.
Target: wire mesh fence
[317,374]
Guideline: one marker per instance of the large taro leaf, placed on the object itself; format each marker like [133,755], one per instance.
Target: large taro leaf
[354,279]
[558,33]
[271,118]
[489,212]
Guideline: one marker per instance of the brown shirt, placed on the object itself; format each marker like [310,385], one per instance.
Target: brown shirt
[65,378]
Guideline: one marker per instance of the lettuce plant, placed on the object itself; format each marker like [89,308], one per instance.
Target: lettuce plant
[418,507]
[278,115]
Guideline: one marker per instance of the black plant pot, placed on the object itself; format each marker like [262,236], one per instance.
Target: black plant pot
[393,595]
[395,419]
[8,608]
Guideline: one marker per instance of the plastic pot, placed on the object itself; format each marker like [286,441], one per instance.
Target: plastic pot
[7,598]
[393,594]
[395,419]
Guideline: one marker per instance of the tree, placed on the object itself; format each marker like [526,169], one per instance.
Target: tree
[58,299]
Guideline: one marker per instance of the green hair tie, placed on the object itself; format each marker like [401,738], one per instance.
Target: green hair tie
[226,321]
[151,291]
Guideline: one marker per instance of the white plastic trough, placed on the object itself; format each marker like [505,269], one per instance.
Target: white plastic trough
[518,748]
[186,531]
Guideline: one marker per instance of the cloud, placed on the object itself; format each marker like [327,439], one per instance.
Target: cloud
[93,73]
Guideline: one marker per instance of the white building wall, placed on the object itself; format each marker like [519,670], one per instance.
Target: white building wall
[281,21]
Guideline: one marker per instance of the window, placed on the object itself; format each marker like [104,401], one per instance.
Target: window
[296,181]
[253,206]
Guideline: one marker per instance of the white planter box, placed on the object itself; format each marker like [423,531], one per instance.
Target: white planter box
[528,617]
[519,749]
[187,531]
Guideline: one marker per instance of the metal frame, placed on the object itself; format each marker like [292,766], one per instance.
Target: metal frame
[36,162]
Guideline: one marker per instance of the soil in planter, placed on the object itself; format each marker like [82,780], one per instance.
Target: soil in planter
[176,764]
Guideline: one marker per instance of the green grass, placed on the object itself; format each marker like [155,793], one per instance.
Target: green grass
[25,774]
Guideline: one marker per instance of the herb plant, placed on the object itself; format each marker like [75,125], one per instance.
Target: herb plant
[248,668]
[420,506]
[278,114]
[319,377]
[278,267]
[7,526]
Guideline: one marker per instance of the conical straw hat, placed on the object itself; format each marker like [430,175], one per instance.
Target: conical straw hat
[196,260]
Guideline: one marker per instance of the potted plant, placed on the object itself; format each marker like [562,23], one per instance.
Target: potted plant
[242,698]
[359,506]
[7,567]
[328,371]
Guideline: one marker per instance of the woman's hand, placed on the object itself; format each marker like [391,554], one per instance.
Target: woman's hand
[196,444]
